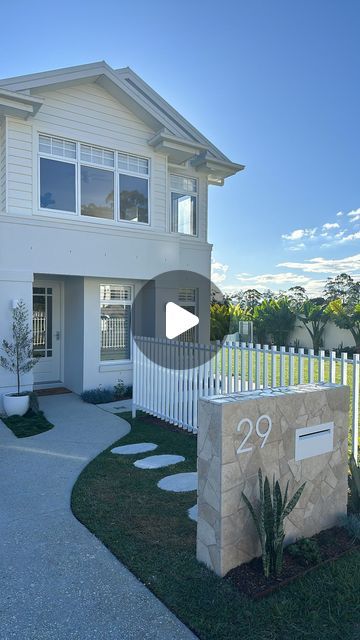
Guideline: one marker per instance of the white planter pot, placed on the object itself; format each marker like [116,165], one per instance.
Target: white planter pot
[16,405]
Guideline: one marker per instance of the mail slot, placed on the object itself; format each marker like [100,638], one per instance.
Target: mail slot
[313,441]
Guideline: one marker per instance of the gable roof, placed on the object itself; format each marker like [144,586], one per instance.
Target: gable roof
[174,135]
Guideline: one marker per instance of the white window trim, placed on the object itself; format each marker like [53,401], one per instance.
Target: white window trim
[127,361]
[188,193]
[78,163]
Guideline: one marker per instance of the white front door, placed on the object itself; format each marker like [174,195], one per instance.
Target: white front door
[47,331]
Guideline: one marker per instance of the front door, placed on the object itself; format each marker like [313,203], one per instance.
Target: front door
[47,331]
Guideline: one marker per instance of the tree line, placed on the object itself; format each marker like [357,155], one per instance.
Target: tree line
[274,315]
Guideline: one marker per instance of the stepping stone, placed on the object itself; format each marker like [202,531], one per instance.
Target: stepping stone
[130,449]
[156,462]
[179,482]
[193,513]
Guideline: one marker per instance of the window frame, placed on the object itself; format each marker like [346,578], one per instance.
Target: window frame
[116,170]
[184,193]
[135,175]
[105,363]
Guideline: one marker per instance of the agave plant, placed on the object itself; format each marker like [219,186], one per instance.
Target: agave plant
[269,518]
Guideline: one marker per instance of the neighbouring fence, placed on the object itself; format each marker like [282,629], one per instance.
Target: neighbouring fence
[172,392]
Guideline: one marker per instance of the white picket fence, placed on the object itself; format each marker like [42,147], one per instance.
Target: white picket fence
[172,393]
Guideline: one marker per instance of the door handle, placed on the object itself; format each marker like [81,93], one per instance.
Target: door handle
[57,335]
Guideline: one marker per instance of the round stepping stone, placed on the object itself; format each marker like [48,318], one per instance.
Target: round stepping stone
[139,447]
[156,462]
[193,513]
[179,482]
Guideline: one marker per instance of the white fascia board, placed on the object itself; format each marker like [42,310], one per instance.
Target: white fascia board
[129,88]
[44,78]
[218,169]
[23,105]
[193,133]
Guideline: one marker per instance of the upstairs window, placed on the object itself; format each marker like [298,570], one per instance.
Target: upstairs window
[86,180]
[133,188]
[183,205]
[57,177]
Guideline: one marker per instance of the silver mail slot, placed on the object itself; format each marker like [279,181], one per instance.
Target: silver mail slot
[313,441]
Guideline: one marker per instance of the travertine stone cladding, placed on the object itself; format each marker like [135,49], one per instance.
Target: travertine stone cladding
[226,536]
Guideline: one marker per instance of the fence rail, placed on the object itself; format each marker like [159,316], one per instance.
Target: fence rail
[199,370]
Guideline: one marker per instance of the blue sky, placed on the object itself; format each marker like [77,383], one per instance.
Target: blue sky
[275,85]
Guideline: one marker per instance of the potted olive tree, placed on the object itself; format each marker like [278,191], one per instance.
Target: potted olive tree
[18,359]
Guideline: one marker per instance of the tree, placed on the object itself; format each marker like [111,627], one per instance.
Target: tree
[347,316]
[297,296]
[340,288]
[251,298]
[274,319]
[314,317]
[19,354]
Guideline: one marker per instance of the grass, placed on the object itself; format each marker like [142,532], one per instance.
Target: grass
[250,363]
[149,531]
[31,424]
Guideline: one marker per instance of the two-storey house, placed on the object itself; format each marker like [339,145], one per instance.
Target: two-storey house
[103,185]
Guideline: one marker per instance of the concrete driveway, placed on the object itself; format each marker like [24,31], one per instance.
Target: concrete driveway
[58,582]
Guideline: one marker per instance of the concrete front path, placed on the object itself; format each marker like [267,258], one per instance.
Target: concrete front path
[57,581]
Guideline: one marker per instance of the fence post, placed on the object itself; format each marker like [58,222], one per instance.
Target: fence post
[273,365]
[310,366]
[332,366]
[321,365]
[257,366]
[355,420]
[291,366]
[266,366]
[301,365]
[135,374]
[344,368]
[282,366]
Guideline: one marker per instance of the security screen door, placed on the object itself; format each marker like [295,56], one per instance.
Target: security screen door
[47,331]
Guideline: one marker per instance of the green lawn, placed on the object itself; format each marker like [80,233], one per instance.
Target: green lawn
[31,424]
[250,364]
[149,531]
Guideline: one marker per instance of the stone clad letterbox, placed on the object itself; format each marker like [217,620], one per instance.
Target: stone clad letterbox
[297,433]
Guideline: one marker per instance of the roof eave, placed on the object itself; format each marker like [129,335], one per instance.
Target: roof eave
[21,105]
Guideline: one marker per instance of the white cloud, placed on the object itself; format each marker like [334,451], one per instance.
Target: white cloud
[298,234]
[330,225]
[267,279]
[340,213]
[297,247]
[350,238]
[354,215]
[218,271]
[323,265]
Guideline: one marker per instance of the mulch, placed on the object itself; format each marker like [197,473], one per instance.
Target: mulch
[250,580]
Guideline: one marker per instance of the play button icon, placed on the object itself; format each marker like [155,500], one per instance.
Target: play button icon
[171,323]
[178,320]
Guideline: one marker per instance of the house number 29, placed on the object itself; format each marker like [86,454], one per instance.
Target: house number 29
[262,434]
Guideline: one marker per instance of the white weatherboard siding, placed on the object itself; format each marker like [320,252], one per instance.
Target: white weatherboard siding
[94,105]
[19,166]
[87,113]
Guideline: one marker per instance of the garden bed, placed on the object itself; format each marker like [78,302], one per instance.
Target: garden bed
[31,424]
[149,531]
[249,578]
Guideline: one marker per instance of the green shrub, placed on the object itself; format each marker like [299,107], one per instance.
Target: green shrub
[107,394]
[269,516]
[352,524]
[306,550]
[354,486]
